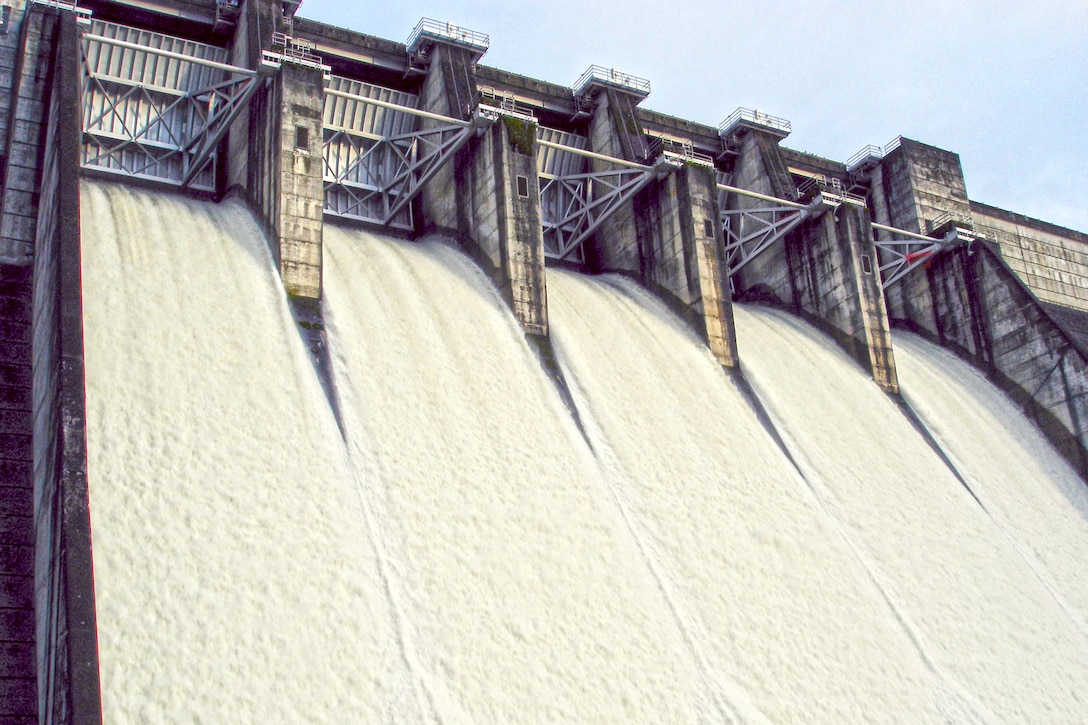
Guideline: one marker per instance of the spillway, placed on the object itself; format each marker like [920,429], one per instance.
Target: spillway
[517,579]
[233,579]
[770,592]
[972,603]
[463,552]
[1030,492]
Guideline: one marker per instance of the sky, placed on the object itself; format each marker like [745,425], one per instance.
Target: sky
[1002,84]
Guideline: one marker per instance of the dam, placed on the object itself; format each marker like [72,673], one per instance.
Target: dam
[352,380]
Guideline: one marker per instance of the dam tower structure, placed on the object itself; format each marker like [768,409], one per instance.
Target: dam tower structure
[312,124]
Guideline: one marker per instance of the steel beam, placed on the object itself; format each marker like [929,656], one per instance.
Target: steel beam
[573,206]
[151,123]
[373,178]
[911,251]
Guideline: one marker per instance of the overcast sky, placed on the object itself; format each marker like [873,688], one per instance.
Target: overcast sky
[1003,84]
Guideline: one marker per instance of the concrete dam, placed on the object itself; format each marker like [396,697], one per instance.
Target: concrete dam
[349,380]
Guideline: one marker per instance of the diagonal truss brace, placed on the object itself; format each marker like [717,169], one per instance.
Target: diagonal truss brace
[164,133]
[575,205]
[911,251]
[750,232]
[384,173]
[218,106]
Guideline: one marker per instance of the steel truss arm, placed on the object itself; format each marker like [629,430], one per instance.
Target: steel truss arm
[749,232]
[171,134]
[573,206]
[911,251]
[374,178]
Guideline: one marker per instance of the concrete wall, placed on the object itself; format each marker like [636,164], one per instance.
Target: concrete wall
[825,269]
[301,197]
[986,313]
[67,641]
[667,236]
[1051,260]
[9,58]
[32,77]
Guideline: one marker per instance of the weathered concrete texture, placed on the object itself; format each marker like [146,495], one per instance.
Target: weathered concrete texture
[9,58]
[760,168]
[284,174]
[986,313]
[920,183]
[1053,261]
[615,130]
[833,286]
[677,241]
[488,197]
[438,199]
[667,236]
[67,643]
[301,193]
[18,690]
[825,270]
[31,78]
[914,185]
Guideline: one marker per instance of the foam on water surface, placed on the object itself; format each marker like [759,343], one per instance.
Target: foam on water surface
[233,579]
[972,603]
[524,593]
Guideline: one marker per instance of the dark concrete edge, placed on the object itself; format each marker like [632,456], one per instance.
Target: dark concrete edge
[84,687]
[1048,424]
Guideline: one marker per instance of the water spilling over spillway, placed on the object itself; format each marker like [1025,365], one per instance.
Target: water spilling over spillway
[465,554]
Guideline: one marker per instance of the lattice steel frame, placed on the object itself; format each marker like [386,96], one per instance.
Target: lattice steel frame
[572,206]
[384,173]
[192,122]
[912,251]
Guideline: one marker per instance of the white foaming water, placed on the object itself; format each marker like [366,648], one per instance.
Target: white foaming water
[773,598]
[1028,489]
[465,557]
[516,579]
[233,579]
[973,604]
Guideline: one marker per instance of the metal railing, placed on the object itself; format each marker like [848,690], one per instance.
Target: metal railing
[611,77]
[438,30]
[868,152]
[755,118]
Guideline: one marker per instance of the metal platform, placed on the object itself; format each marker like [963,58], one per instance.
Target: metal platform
[743,118]
[600,76]
[428,31]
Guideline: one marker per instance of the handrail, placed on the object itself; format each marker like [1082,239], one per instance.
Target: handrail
[428,27]
[612,77]
[758,118]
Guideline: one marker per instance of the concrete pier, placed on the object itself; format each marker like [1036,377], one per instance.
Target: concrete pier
[489,197]
[825,269]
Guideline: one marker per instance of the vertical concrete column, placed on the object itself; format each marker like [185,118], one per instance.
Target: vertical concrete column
[701,236]
[835,284]
[67,639]
[760,168]
[300,197]
[872,309]
[450,81]
[488,197]
[615,130]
